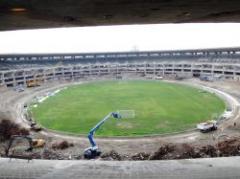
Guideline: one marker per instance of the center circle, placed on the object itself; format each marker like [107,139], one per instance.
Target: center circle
[160,107]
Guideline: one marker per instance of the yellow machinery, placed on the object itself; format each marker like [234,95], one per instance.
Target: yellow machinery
[33,143]
[34,82]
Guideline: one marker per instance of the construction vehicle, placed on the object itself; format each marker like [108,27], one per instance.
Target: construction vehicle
[93,151]
[33,143]
[207,126]
[34,82]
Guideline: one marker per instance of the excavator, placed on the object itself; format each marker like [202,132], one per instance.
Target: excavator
[33,143]
[93,151]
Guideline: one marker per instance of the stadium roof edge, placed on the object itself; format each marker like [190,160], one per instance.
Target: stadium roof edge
[121,52]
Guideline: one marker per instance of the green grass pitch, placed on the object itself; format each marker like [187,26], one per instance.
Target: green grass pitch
[160,107]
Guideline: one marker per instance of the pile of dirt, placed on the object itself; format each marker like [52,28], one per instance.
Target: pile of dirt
[62,145]
[113,155]
[164,152]
[183,151]
[9,128]
[52,155]
[140,156]
[46,154]
[229,147]
[207,151]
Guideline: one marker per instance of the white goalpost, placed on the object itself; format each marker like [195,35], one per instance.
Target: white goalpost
[126,114]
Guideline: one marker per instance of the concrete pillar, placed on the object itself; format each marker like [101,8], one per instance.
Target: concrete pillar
[90,69]
[163,69]
[24,78]
[155,69]
[14,79]
[145,68]
[72,77]
[44,75]
[108,68]
[212,70]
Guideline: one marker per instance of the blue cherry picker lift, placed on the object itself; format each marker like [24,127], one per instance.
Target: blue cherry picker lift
[93,151]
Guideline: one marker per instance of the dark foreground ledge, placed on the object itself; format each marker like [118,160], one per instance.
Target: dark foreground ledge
[191,168]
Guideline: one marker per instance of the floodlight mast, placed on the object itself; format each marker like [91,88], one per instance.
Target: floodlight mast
[93,151]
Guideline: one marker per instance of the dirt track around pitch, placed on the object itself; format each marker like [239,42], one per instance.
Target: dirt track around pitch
[12,103]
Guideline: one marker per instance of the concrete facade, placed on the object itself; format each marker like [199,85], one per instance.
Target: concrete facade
[222,62]
[13,78]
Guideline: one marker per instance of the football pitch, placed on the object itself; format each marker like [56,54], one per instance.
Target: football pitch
[160,107]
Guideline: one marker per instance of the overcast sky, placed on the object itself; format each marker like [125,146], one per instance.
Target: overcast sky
[121,38]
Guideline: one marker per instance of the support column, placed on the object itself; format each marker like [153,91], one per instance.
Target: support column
[154,68]
[14,79]
[145,69]
[24,78]
[72,77]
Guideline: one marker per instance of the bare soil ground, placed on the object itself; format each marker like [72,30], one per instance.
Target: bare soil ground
[192,144]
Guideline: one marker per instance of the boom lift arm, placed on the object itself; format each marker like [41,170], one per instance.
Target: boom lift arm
[94,151]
